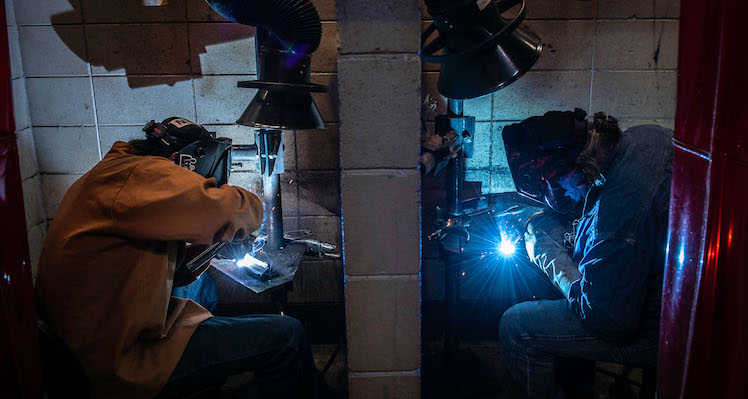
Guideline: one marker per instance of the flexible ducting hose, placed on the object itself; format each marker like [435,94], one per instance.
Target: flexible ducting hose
[294,22]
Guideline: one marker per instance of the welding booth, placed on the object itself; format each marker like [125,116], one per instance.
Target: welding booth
[480,47]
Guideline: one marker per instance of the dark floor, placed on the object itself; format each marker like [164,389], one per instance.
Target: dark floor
[336,376]
[485,379]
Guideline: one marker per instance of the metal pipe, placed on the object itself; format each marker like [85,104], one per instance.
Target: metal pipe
[455,172]
[456,166]
[273,212]
[244,153]
[455,107]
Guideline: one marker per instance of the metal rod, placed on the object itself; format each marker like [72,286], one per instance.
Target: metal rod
[273,212]
[455,177]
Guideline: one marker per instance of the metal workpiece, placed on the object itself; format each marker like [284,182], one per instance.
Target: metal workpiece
[272,222]
[269,144]
[269,155]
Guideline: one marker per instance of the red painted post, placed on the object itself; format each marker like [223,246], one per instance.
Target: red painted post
[703,345]
[20,372]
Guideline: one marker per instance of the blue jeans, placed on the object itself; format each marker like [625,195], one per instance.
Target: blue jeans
[203,291]
[535,335]
[274,347]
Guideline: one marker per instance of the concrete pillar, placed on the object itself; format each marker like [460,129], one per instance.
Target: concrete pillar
[380,87]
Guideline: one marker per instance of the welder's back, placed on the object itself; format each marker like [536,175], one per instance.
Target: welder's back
[107,265]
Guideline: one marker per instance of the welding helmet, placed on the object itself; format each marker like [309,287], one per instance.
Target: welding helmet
[197,149]
[542,152]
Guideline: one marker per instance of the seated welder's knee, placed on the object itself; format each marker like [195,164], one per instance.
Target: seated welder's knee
[510,325]
[292,331]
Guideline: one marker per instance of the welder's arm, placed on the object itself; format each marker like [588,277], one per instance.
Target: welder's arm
[609,296]
[162,201]
[547,251]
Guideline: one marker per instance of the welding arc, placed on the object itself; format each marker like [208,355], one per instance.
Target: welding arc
[294,22]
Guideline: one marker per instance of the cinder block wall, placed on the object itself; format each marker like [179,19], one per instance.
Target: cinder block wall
[380,83]
[97,70]
[35,221]
[616,56]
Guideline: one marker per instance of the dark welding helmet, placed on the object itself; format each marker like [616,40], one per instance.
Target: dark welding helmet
[542,152]
[197,149]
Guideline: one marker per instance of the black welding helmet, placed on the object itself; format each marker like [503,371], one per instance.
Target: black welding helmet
[542,152]
[197,149]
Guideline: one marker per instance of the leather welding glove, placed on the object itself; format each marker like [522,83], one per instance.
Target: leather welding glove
[546,249]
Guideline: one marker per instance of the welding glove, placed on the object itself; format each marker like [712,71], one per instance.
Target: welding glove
[546,249]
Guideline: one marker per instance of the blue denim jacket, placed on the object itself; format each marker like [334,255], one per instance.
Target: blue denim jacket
[621,239]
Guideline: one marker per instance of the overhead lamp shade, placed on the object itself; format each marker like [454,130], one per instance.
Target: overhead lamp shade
[492,69]
[283,99]
[481,51]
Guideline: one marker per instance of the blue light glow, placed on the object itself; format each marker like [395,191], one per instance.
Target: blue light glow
[506,247]
[681,256]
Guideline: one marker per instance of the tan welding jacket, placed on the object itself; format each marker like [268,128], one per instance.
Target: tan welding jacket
[107,266]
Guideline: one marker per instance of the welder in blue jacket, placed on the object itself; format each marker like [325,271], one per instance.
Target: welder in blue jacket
[616,186]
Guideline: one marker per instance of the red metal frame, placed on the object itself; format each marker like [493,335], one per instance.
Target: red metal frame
[20,372]
[703,345]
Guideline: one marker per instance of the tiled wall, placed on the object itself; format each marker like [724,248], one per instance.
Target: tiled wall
[616,56]
[35,220]
[97,70]
[379,73]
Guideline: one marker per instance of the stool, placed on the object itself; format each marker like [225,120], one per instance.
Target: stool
[65,378]
[623,383]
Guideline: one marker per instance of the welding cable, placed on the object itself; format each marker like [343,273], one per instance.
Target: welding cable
[530,218]
[329,363]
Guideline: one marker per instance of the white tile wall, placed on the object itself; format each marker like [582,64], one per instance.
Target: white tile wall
[561,9]
[538,92]
[124,100]
[221,48]
[97,11]
[20,104]
[625,45]
[27,154]
[16,68]
[47,11]
[625,8]
[54,188]
[36,236]
[10,13]
[482,147]
[57,50]
[108,135]
[567,44]
[159,49]
[32,202]
[60,101]
[66,149]
[640,94]
[219,100]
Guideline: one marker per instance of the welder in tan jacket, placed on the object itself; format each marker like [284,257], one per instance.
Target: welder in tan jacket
[107,268]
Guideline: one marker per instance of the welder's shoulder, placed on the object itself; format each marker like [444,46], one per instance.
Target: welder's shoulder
[642,150]
[649,138]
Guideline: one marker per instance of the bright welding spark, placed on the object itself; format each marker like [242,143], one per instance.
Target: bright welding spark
[506,247]
[249,260]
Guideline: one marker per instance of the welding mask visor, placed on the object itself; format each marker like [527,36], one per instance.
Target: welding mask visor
[199,150]
[542,152]
[209,158]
